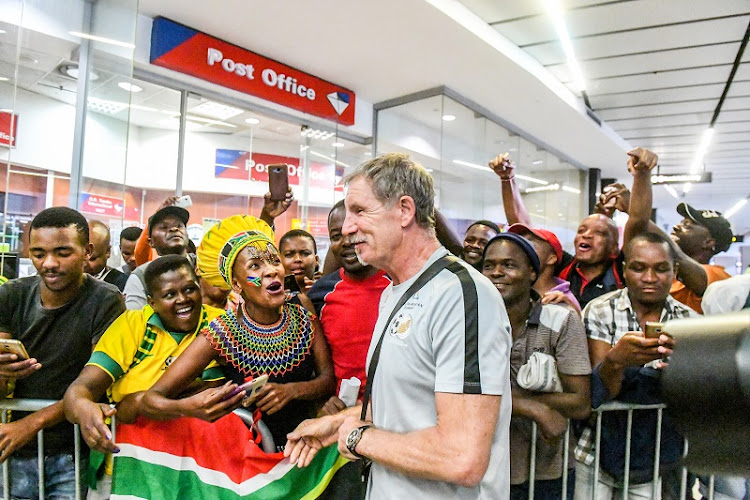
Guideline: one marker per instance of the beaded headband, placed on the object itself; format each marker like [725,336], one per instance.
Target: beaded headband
[261,247]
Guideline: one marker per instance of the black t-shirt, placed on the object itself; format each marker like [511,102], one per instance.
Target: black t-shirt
[117,278]
[60,339]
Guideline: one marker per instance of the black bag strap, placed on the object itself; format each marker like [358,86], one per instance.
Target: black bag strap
[426,276]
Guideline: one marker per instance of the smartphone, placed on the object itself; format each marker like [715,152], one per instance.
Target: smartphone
[654,329]
[183,201]
[13,346]
[278,181]
[251,388]
[290,283]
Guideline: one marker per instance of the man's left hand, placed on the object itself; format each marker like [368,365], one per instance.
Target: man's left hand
[13,436]
[349,424]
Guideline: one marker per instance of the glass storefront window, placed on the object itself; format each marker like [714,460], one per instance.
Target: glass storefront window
[455,143]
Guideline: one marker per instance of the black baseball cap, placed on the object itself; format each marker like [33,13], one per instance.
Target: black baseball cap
[165,212]
[522,242]
[718,226]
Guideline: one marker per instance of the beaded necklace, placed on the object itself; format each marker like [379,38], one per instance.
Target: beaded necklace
[255,349]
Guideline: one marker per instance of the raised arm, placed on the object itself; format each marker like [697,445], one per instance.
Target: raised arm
[446,236]
[515,210]
[640,164]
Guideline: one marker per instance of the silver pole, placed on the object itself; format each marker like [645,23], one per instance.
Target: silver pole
[79,131]
[181,142]
[532,460]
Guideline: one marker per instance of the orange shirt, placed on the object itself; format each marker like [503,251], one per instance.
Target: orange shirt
[683,294]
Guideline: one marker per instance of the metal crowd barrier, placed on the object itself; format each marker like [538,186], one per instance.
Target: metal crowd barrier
[613,406]
[36,405]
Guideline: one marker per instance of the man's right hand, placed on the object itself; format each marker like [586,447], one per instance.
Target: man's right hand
[503,167]
[634,349]
[11,368]
[310,436]
[95,432]
[641,159]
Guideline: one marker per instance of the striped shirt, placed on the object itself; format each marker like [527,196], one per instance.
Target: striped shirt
[608,318]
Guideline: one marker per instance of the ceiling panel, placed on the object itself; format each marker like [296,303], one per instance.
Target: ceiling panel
[683,94]
[607,17]
[666,79]
[711,32]
[650,63]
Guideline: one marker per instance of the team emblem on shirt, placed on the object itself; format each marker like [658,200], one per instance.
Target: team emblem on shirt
[401,326]
[169,361]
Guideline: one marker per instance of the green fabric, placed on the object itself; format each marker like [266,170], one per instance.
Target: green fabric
[96,468]
[109,365]
[146,480]
[214,373]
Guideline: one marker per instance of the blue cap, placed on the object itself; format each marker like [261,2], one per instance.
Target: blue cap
[522,242]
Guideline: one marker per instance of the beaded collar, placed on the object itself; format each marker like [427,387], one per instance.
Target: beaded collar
[255,349]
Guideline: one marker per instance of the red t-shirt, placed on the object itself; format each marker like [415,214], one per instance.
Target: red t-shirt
[348,311]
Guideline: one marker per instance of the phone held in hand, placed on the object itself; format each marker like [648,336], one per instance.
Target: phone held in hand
[184,201]
[251,389]
[290,283]
[654,329]
[278,181]
[13,346]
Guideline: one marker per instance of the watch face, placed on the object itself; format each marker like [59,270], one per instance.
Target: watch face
[353,438]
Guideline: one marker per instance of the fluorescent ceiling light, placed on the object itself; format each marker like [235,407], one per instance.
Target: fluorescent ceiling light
[209,121]
[735,208]
[549,187]
[102,39]
[130,87]
[4,78]
[571,190]
[449,118]
[695,167]
[488,169]
[252,121]
[216,110]
[558,20]
[338,144]
[105,106]
[146,108]
[334,160]
[314,133]
[671,191]
[532,179]
[537,162]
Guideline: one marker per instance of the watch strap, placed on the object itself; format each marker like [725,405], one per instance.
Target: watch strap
[353,446]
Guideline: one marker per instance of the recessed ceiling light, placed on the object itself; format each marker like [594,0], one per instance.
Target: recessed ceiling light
[130,87]
[4,78]
[537,162]
[449,118]
[2,32]
[252,121]
[72,71]
[338,144]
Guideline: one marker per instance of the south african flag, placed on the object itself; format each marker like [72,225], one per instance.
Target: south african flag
[188,458]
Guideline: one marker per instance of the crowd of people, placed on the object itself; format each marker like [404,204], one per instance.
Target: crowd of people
[459,348]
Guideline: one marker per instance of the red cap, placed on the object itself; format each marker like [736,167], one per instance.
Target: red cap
[547,236]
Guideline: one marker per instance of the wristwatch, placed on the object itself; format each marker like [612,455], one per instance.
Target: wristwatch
[352,439]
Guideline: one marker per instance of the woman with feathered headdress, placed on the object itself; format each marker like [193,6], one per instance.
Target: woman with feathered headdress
[265,335]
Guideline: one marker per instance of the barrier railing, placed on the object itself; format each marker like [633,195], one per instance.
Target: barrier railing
[36,405]
[598,412]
